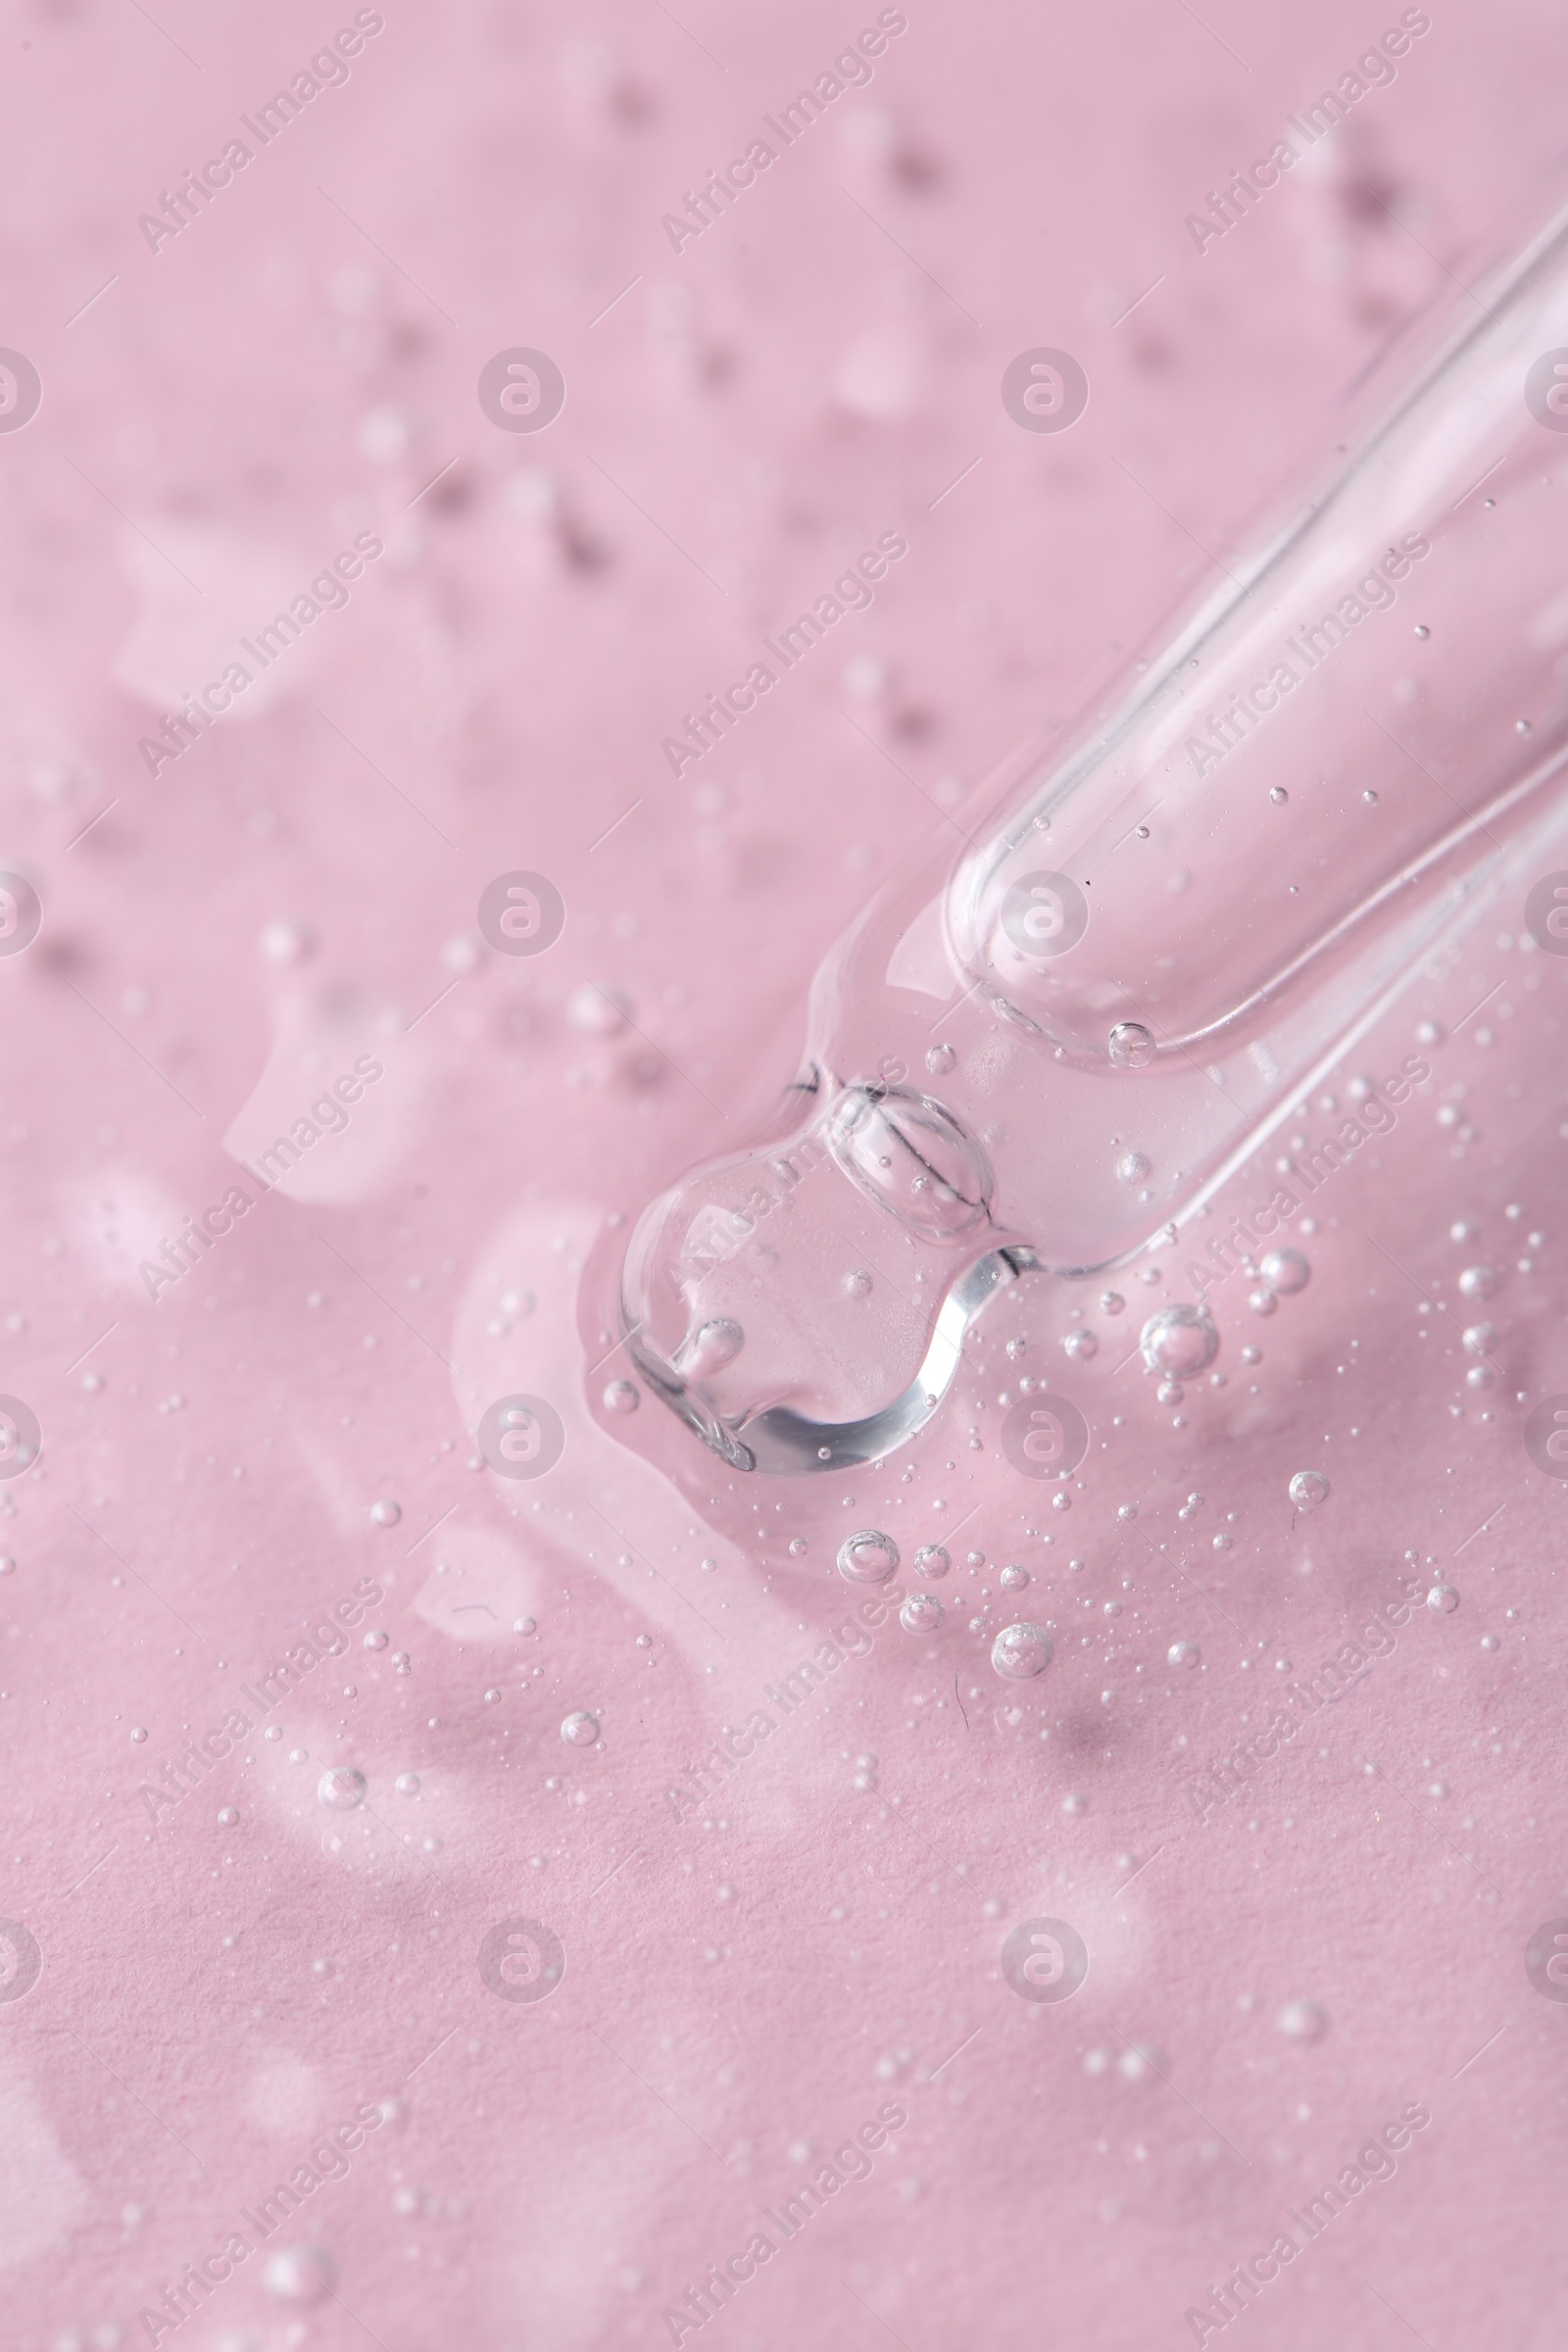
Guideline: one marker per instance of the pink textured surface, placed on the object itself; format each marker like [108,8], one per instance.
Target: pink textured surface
[746,1982]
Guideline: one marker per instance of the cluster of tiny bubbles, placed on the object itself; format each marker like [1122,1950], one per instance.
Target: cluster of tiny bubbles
[1308,1488]
[858,1283]
[376,1639]
[1191,1508]
[1015,1578]
[868,1558]
[940,1060]
[580,1729]
[1131,1046]
[1112,1302]
[931,1561]
[1021,1651]
[1081,1345]
[343,1788]
[921,1613]
[1179,1340]
[300,2275]
[1442,1600]
[1134,1166]
[622,1396]
[1184,1654]
[1303,2020]
[385,1514]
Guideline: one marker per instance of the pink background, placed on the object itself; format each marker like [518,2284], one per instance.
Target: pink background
[300,887]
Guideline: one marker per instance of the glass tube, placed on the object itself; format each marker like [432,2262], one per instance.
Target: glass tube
[1045,1053]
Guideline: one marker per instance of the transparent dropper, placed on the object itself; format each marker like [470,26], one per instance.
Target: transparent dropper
[1052,1049]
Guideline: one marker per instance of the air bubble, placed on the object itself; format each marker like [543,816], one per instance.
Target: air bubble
[1303,2020]
[1180,1339]
[300,2275]
[580,1729]
[931,1561]
[1442,1601]
[1131,1046]
[921,1613]
[343,1788]
[1021,1651]
[1286,1271]
[710,1348]
[1308,1488]
[868,1559]
[1184,1654]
